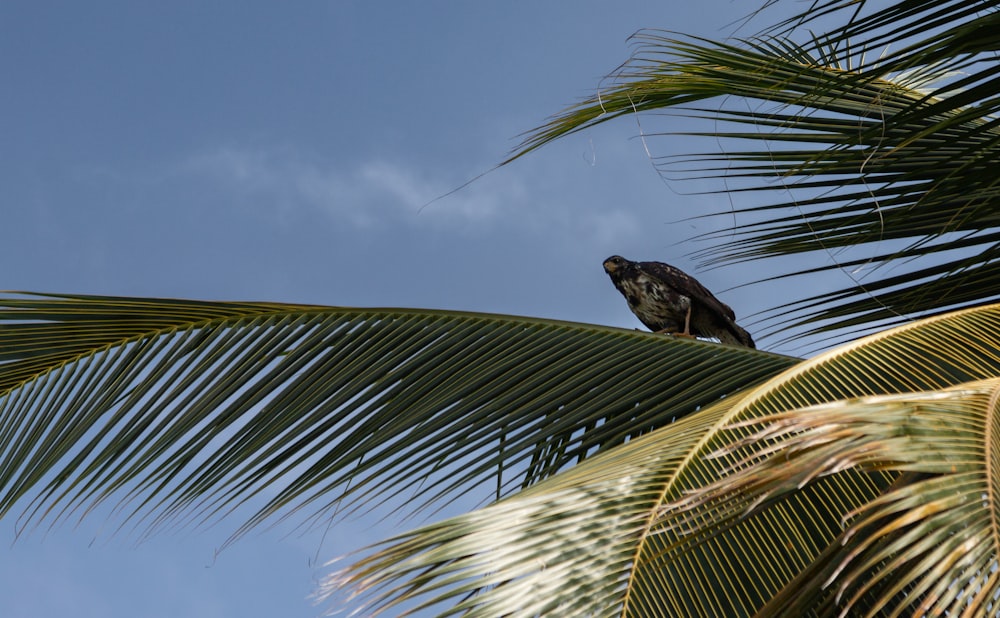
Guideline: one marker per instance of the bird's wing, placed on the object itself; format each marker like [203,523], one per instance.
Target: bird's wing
[688,286]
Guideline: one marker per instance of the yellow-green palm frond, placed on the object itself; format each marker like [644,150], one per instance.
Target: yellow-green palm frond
[927,546]
[654,527]
[185,410]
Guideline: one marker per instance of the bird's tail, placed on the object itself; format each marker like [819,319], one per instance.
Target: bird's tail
[738,336]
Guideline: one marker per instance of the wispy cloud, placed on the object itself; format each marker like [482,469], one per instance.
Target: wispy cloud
[366,194]
[379,192]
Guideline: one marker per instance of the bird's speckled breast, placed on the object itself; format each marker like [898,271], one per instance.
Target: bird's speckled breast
[657,306]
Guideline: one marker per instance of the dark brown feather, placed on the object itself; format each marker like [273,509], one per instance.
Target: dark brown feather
[668,300]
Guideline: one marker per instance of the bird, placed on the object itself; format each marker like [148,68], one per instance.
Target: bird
[668,300]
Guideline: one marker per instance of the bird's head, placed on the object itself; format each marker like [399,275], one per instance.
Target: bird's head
[615,264]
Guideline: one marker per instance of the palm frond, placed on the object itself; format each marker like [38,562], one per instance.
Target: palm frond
[864,158]
[925,547]
[658,526]
[184,411]
[912,33]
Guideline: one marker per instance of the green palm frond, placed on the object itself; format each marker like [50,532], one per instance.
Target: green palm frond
[186,410]
[714,516]
[865,158]
[911,32]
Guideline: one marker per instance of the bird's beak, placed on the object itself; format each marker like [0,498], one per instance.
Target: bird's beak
[609,267]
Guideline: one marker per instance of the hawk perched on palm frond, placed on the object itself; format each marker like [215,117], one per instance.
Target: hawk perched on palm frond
[667,300]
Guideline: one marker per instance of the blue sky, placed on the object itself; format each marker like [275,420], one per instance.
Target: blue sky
[288,152]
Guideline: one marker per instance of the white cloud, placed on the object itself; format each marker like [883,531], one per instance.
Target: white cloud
[558,199]
[367,194]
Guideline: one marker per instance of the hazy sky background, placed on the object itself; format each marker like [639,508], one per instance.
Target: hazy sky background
[286,152]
